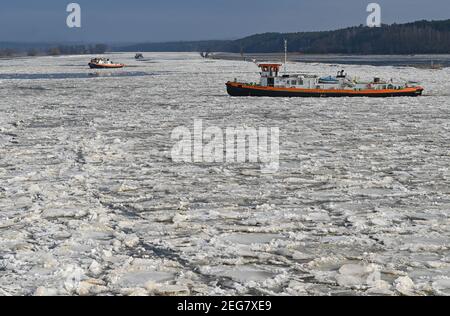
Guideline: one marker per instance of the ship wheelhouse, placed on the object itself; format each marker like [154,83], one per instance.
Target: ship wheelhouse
[268,74]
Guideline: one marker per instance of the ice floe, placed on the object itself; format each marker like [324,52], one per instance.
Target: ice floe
[92,204]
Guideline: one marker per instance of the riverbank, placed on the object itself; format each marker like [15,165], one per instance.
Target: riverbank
[419,61]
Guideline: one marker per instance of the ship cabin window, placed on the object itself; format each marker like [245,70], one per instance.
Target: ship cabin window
[269,70]
[294,82]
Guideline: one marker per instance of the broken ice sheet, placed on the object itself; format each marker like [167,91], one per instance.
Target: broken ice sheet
[86,176]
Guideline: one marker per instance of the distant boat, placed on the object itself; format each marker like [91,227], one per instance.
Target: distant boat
[431,66]
[104,63]
[139,56]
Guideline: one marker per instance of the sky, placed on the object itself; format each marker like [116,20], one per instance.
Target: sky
[129,21]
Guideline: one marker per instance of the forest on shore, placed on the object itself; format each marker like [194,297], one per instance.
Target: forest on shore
[421,37]
[31,50]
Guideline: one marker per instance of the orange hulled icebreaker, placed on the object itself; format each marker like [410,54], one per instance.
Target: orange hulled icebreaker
[104,63]
[272,84]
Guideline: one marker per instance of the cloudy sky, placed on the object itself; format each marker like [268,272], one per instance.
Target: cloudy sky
[171,20]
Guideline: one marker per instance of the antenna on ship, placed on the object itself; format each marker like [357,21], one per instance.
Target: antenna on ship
[285,55]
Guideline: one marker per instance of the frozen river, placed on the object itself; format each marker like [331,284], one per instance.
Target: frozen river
[91,202]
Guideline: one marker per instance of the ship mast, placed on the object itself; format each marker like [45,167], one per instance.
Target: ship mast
[285,55]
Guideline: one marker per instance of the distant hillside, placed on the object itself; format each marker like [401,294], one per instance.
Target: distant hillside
[9,49]
[196,46]
[422,37]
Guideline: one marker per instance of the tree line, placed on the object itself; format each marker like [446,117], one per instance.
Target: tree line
[421,37]
[56,50]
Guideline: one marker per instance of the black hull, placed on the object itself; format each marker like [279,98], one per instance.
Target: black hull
[237,91]
[94,66]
